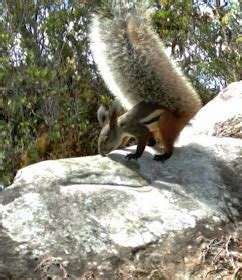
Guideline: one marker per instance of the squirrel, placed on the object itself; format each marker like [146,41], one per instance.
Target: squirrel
[135,67]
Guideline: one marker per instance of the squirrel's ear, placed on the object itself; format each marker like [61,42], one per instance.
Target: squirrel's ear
[114,113]
[102,114]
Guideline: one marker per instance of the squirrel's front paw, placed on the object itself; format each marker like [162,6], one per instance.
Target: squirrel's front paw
[130,156]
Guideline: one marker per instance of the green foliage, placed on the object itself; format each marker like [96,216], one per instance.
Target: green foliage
[204,38]
[49,87]
[49,96]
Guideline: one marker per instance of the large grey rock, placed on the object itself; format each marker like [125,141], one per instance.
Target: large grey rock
[90,212]
[121,219]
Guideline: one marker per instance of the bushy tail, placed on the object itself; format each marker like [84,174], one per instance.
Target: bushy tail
[134,65]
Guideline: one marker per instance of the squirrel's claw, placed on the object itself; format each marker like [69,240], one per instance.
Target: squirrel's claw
[130,156]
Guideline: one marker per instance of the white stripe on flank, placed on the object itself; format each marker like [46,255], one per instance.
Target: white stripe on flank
[151,116]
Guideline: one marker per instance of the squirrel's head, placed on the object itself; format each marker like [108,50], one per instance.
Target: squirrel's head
[110,137]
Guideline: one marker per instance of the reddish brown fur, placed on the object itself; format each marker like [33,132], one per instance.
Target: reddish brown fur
[170,126]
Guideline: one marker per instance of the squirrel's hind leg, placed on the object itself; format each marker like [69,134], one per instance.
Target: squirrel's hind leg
[170,126]
[162,157]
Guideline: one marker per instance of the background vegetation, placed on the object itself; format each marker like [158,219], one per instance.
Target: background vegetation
[49,86]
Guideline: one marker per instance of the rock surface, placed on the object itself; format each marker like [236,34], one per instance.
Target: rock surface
[222,116]
[74,217]
[93,211]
